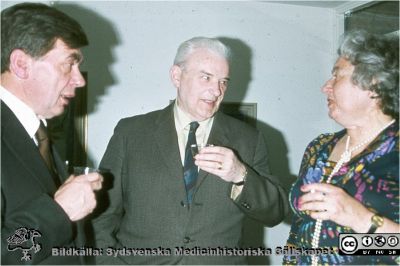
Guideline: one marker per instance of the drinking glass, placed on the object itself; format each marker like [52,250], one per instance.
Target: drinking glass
[196,148]
[84,170]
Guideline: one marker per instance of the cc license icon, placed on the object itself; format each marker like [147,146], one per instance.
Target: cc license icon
[348,244]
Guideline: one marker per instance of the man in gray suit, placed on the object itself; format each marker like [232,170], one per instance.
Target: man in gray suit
[168,207]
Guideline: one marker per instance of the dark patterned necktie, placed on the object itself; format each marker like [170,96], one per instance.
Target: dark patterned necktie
[190,169]
[45,151]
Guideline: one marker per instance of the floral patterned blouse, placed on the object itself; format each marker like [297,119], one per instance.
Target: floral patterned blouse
[372,177]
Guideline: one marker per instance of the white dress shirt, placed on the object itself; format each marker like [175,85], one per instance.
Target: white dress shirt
[23,112]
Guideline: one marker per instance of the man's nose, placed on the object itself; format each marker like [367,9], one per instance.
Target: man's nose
[215,88]
[77,79]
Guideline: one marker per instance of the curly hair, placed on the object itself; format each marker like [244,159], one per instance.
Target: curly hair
[376,66]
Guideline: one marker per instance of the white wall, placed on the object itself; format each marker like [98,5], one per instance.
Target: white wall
[291,50]
[286,55]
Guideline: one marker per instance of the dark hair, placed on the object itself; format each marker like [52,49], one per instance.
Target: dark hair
[376,66]
[34,28]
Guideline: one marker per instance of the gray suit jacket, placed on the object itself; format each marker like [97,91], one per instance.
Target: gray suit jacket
[146,203]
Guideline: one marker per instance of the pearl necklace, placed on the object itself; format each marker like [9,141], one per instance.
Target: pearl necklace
[344,158]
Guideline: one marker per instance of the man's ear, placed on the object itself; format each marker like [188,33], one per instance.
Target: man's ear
[20,63]
[175,75]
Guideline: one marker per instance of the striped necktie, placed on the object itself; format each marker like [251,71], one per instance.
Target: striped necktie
[190,169]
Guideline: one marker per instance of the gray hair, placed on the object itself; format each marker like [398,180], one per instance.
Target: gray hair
[376,66]
[211,44]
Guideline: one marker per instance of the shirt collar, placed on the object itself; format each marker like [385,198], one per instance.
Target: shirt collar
[22,111]
[182,120]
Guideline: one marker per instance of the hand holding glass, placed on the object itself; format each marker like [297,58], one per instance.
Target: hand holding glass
[84,170]
[95,180]
[196,148]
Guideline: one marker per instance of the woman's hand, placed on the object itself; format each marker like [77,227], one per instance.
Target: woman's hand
[328,202]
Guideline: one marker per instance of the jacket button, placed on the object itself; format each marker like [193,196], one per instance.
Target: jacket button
[186,240]
[246,205]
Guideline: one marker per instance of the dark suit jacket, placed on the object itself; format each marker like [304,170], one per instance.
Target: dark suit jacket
[27,191]
[146,208]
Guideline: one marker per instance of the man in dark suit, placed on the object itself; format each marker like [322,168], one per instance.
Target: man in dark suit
[40,205]
[168,207]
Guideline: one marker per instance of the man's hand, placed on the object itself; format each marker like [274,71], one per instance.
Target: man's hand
[76,195]
[222,162]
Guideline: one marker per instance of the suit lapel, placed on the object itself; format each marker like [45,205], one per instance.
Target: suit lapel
[167,141]
[23,149]
[218,137]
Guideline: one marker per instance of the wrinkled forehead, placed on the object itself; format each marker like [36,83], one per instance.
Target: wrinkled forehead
[62,50]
